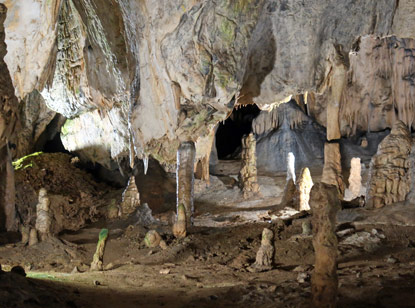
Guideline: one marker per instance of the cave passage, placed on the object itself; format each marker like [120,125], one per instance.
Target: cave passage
[229,133]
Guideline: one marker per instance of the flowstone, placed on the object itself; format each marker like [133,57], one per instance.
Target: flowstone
[389,175]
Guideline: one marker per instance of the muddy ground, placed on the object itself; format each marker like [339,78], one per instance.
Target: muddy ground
[210,268]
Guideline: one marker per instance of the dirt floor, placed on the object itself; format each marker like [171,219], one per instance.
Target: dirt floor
[211,267]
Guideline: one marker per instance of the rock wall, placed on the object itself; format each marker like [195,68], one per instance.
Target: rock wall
[157,73]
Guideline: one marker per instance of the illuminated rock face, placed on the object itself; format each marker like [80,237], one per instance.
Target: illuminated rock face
[304,185]
[389,176]
[355,180]
[158,73]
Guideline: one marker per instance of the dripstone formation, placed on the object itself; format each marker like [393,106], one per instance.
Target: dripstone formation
[248,174]
[389,177]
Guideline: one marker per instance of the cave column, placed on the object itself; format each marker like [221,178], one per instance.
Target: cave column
[248,173]
[332,170]
[324,204]
[185,179]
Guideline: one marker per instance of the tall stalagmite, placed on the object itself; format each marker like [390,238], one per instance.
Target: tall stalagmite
[248,173]
[332,170]
[304,185]
[355,179]
[324,204]
[389,169]
[185,178]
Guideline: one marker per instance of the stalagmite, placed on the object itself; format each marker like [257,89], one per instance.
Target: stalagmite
[25,232]
[324,204]
[152,239]
[265,253]
[304,185]
[290,167]
[355,180]
[332,170]
[130,198]
[389,176]
[185,179]
[97,260]
[179,227]
[33,240]
[248,173]
[43,217]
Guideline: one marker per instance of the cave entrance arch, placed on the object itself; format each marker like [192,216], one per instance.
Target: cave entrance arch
[229,133]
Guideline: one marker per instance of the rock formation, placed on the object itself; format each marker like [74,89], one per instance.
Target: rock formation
[389,180]
[355,180]
[248,174]
[304,185]
[33,239]
[332,170]
[286,129]
[324,204]
[265,254]
[152,239]
[43,216]
[130,198]
[179,227]
[97,260]
[185,179]
[290,167]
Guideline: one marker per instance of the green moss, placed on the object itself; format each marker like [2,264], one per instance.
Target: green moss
[25,161]
[103,234]
[67,127]
[227,30]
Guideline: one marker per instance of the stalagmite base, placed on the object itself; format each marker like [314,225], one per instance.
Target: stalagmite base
[179,227]
[96,264]
[265,253]
[248,173]
[324,204]
[185,178]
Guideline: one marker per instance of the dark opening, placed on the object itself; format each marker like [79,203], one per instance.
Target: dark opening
[229,134]
[54,145]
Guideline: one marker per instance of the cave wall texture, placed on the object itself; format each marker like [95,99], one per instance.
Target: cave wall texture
[136,78]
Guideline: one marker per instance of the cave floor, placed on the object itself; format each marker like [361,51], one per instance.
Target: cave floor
[211,267]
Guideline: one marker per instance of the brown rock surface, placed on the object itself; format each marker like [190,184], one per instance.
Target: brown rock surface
[388,180]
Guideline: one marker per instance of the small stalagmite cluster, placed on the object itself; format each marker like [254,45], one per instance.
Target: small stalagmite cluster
[389,176]
[248,174]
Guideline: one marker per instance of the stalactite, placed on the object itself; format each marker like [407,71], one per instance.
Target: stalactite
[185,178]
[130,198]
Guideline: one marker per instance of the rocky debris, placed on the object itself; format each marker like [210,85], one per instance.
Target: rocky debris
[324,204]
[153,239]
[179,227]
[388,180]
[306,228]
[185,179]
[248,174]
[130,198]
[286,129]
[332,170]
[304,185]
[144,216]
[369,241]
[75,197]
[265,254]
[97,261]
[43,218]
